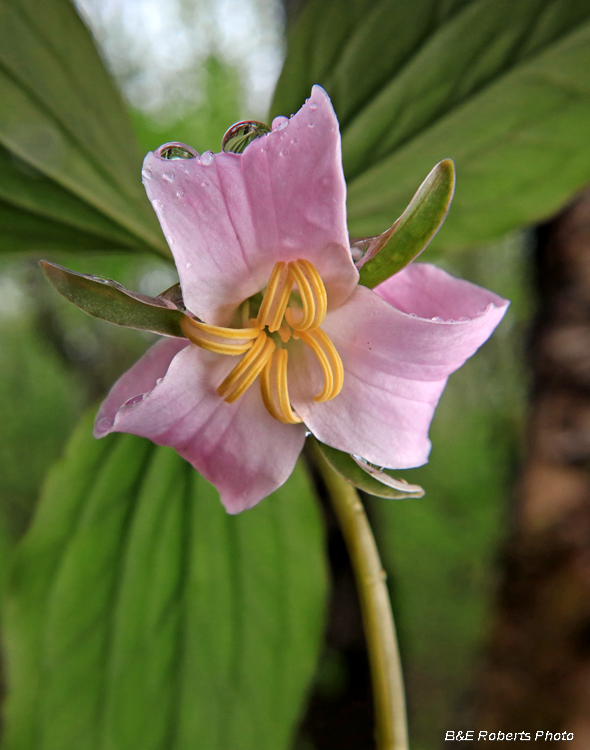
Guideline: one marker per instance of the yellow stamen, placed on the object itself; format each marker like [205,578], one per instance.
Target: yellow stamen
[309,338]
[242,365]
[186,325]
[275,291]
[335,360]
[282,389]
[266,390]
[282,300]
[222,333]
[319,292]
[284,332]
[246,372]
[307,299]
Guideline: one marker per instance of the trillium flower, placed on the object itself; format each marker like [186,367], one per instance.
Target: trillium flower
[280,337]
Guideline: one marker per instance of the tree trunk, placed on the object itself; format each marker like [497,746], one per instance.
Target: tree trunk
[538,672]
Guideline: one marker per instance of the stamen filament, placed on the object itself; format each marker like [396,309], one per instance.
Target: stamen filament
[309,338]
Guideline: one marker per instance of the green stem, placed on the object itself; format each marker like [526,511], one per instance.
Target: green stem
[386,671]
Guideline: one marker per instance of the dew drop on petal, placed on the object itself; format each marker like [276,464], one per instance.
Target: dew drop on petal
[207,158]
[280,123]
[168,176]
[175,151]
[159,380]
[179,193]
[311,124]
[188,265]
[464,319]
[146,173]
[157,204]
[437,319]
[134,400]
[313,105]
[285,152]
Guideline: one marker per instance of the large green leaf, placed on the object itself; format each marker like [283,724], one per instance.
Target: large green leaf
[68,155]
[500,87]
[140,616]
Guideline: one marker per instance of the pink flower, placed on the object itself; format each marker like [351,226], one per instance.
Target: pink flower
[312,350]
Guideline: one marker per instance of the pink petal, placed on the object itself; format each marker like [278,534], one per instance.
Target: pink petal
[238,447]
[229,217]
[137,381]
[396,365]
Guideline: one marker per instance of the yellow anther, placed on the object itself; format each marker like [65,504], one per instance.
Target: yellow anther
[222,333]
[282,389]
[273,387]
[284,332]
[309,338]
[275,297]
[191,327]
[247,370]
[307,299]
[335,360]
[319,292]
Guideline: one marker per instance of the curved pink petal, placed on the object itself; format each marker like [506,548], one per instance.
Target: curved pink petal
[229,217]
[238,447]
[137,381]
[396,364]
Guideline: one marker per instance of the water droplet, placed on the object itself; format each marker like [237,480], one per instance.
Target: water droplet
[294,140]
[437,319]
[280,123]
[285,152]
[188,265]
[179,193]
[464,319]
[168,176]
[311,124]
[313,105]
[157,204]
[159,380]
[100,279]
[134,400]
[146,173]
[307,433]
[241,134]
[207,158]
[175,151]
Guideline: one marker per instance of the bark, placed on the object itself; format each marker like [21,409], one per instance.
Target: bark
[538,672]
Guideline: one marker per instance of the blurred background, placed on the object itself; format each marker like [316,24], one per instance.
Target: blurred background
[188,69]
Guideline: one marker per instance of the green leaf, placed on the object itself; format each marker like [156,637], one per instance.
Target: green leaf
[360,473]
[141,615]
[501,88]
[68,155]
[414,230]
[108,300]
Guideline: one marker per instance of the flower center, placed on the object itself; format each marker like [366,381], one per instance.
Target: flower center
[294,306]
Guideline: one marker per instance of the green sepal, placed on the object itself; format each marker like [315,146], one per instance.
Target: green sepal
[373,481]
[412,232]
[108,300]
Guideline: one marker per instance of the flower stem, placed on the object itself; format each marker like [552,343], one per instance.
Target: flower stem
[386,671]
